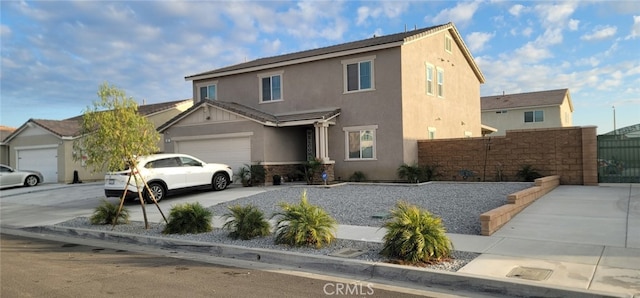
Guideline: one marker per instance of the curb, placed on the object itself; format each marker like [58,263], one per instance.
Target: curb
[420,278]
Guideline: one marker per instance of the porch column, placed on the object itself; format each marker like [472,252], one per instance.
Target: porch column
[322,144]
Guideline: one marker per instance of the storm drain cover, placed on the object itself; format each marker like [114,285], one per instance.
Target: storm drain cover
[529,273]
[348,253]
[381,215]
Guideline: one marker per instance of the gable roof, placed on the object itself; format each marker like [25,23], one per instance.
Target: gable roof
[523,100]
[360,46]
[264,118]
[70,127]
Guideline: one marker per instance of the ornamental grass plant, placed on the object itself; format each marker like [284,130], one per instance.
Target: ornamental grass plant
[304,224]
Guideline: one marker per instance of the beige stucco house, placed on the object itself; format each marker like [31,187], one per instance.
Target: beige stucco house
[357,106]
[5,131]
[47,145]
[542,109]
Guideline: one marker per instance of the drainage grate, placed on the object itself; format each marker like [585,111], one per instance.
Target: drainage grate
[381,215]
[348,253]
[529,273]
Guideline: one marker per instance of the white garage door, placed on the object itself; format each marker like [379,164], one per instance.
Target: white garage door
[232,151]
[42,160]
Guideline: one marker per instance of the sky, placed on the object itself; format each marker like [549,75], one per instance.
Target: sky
[55,54]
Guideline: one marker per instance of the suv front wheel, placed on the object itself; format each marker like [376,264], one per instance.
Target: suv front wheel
[158,192]
[219,181]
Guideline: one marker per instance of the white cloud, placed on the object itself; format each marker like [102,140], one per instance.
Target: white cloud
[573,24]
[635,28]
[555,14]
[590,61]
[477,40]
[533,53]
[5,30]
[527,31]
[600,33]
[461,14]
[517,9]
[390,9]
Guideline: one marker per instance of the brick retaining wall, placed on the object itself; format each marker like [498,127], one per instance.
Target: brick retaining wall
[569,152]
[493,220]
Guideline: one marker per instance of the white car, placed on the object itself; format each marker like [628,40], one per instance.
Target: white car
[10,177]
[165,173]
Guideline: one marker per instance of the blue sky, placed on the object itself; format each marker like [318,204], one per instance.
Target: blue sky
[55,54]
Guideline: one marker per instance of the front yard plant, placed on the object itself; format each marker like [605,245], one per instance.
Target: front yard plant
[414,236]
[246,222]
[304,224]
[528,173]
[188,218]
[107,214]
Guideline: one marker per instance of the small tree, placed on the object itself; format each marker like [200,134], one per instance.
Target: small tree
[112,134]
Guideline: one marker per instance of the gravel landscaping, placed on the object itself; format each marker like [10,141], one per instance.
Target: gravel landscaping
[458,204]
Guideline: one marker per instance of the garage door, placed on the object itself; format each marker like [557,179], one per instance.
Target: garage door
[42,160]
[232,151]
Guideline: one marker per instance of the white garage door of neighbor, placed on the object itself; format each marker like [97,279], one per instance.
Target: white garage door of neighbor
[232,151]
[43,160]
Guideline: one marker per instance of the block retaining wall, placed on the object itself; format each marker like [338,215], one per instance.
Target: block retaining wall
[569,152]
[493,220]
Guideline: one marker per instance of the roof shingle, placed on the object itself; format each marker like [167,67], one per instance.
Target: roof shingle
[520,100]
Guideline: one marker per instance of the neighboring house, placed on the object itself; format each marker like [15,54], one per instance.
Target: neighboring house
[542,109]
[47,145]
[358,106]
[5,131]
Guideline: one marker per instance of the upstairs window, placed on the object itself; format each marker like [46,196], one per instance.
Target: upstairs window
[440,82]
[429,79]
[358,74]
[447,43]
[209,92]
[271,87]
[533,116]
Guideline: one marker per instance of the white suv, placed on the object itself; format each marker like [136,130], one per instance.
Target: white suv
[168,172]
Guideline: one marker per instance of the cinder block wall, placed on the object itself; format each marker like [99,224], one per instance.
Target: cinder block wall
[569,152]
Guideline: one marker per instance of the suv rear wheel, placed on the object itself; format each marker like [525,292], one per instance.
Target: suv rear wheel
[219,181]
[158,192]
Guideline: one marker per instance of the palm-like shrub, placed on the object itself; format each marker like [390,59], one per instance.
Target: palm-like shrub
[105,214]
[415,236]
[246,222]
[304,224]
[528,173]
[188,218]
[410,173]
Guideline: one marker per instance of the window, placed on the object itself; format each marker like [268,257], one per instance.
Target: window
[162,163]
[432,133]
[271,88]
[533,116]
[447,43]
[358,74]
[429,79]
[360,142]
[501,112]
[440,82]
[208,92]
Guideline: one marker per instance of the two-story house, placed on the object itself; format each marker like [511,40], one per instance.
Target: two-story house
[357,106]
[542,109]
[47,145]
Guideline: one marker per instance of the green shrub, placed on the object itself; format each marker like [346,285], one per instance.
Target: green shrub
[105,214]
[246,222]
[188,218]
[304,224]
[357,176]
[415,236]
[311,168]
[257,174]
[527,173]
[411,173]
